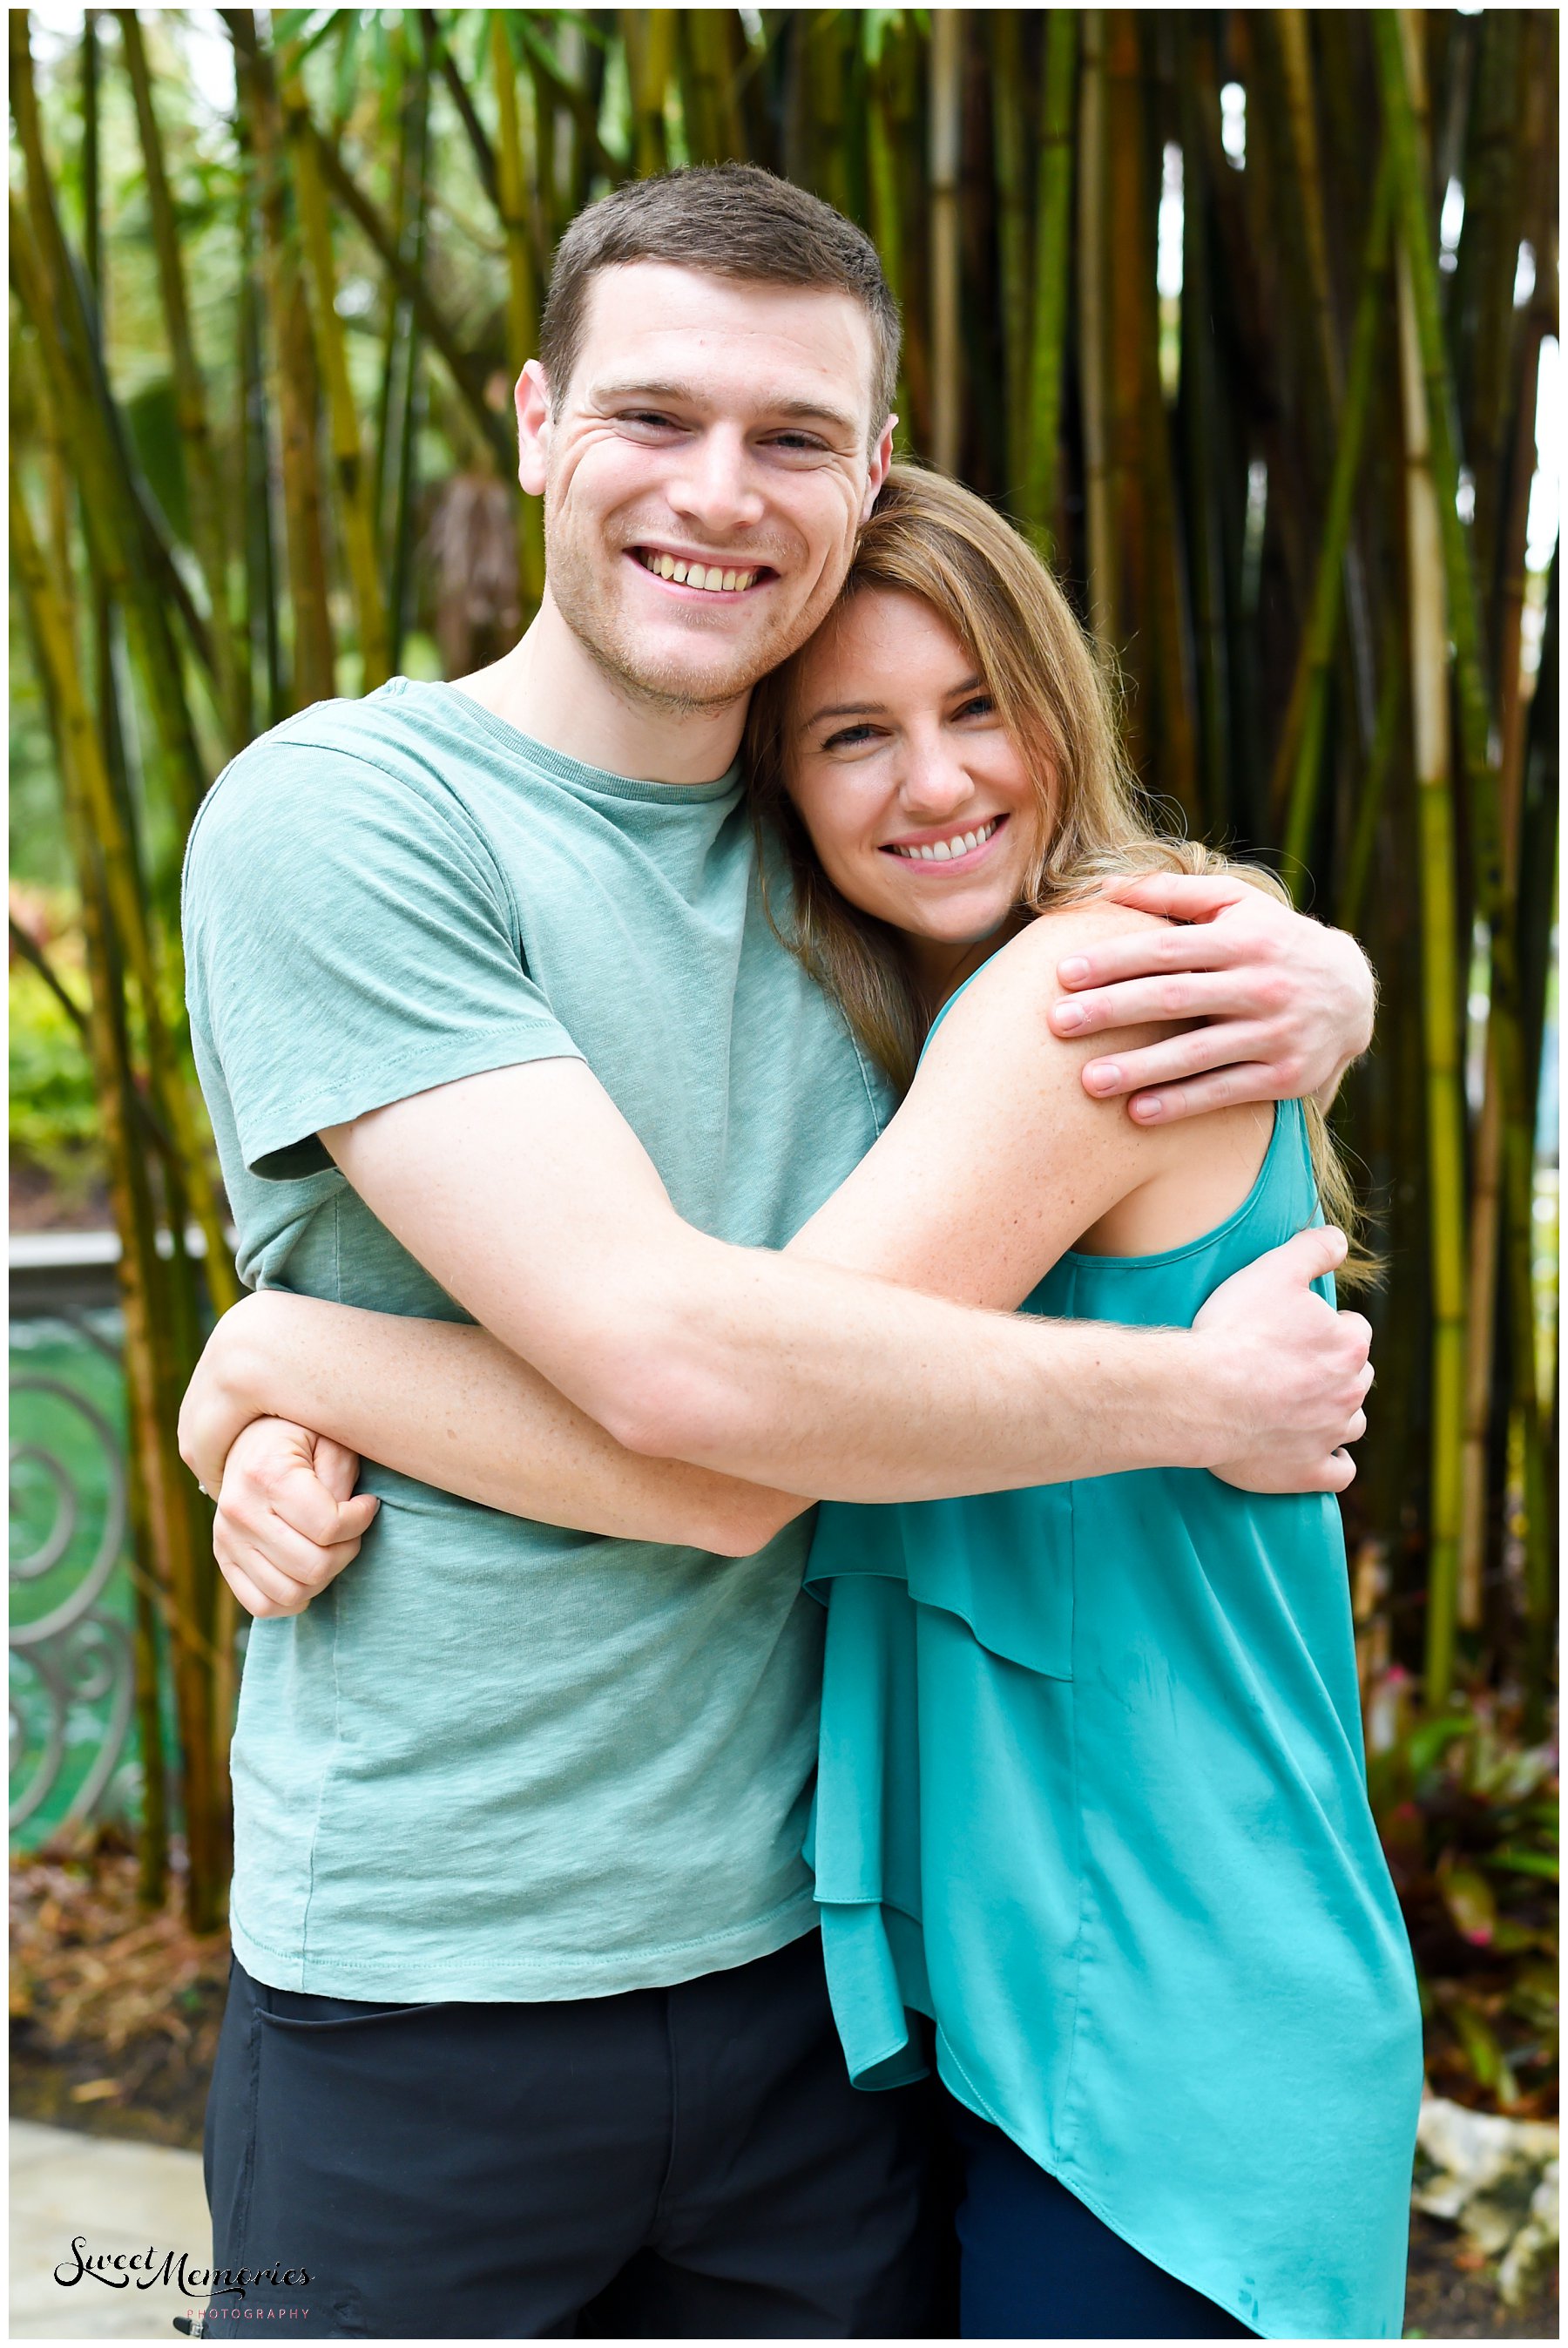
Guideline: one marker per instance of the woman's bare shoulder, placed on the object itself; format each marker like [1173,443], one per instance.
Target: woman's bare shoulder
[1026,965]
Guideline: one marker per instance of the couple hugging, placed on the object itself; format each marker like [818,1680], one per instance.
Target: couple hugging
[693,1069]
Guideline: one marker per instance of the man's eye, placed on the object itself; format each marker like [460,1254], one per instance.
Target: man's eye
[798,444]
[646,416]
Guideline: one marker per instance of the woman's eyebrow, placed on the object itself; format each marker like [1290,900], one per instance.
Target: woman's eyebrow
[877,708]
[845,709]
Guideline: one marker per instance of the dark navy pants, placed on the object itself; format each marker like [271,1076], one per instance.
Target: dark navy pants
[1036,2264]
[686,2163]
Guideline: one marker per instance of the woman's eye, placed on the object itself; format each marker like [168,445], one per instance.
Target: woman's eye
[980,704]
[850,737]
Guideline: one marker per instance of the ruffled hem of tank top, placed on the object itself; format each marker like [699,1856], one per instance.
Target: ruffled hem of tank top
[875,1961]
[1002,1564]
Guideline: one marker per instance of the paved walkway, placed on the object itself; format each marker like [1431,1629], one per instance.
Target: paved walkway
[115,2197]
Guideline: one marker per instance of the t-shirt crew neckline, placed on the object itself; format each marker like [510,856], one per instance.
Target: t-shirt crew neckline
[563,769]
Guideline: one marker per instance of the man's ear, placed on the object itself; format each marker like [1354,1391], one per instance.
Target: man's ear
[533,405]
[876,472]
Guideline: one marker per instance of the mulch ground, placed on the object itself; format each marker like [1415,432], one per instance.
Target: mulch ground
[114,2025]
[115,2012]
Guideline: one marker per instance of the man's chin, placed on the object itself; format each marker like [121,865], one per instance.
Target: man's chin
[683,675]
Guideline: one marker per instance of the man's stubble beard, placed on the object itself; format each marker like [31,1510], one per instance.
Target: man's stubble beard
[596,621]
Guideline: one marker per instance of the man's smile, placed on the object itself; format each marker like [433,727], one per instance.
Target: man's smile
[706,575]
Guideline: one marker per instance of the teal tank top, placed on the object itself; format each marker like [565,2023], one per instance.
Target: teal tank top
[1092,1797]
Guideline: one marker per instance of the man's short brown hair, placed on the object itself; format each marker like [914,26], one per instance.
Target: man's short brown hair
[727,219]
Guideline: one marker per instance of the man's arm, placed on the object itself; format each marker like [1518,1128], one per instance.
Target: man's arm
[1286,1003]
[812,1380]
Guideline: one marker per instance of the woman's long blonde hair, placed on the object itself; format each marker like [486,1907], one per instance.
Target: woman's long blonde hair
[930,537]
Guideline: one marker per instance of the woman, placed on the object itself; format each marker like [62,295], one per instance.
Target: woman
[1091,1812]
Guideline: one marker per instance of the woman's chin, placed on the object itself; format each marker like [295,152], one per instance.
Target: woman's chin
[955,924]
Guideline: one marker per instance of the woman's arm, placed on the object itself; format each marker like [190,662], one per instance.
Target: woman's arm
[999,1160]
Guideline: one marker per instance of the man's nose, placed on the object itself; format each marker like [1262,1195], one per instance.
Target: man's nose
[716,484]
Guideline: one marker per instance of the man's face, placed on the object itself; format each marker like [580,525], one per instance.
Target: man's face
[709,428]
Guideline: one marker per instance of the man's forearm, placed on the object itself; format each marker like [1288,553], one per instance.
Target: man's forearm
[445,1403]
[838,1386]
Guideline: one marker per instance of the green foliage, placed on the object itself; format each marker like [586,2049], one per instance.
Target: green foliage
[54,1123]
[1469,1815]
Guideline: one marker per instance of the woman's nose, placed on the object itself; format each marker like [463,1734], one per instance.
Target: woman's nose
[934,786]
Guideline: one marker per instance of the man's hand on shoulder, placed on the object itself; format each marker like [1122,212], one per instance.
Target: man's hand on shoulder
[1286,1004]
[1298,1370]
[288,1519]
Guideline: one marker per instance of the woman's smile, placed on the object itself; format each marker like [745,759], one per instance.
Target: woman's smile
[944,851]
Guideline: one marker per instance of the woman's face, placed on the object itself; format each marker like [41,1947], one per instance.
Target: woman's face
[918,804]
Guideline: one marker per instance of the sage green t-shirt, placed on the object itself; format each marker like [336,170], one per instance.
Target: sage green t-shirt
[495,1759]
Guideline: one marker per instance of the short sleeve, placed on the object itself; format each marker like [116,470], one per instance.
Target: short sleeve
[350,941]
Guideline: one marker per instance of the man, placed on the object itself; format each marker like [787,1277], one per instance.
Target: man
[526,2006]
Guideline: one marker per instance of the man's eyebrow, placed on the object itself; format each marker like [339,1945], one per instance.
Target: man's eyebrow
[691,394]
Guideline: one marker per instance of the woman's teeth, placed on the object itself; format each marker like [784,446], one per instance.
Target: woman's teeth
[942,851]
[713,576]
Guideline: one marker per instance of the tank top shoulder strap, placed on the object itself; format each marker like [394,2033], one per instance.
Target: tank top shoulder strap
[947,1007]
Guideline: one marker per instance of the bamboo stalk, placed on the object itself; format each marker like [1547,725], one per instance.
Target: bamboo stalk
[355,506]
[1309,692]
[407,386]
[44,594]
[1296,58]
[886,204]
[1441,1001]
[440,56]
[580,102]
[131,1113]
[522,291]
[209,507]
[648,35]
[293,369]
[943,158]
[1486,1199]
[467,376]
[1052,271]
[81,751]
[1009,145]
[1374,787]
[713,121]
[1397,40]
[1199,419]
[1482,308]
[1104,585]
[134,561]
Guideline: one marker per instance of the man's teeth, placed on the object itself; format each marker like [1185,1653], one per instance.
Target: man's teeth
[710,576]
[942,851]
